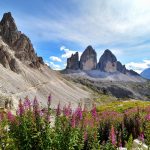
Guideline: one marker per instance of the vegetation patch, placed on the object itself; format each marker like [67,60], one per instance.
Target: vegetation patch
[103,127]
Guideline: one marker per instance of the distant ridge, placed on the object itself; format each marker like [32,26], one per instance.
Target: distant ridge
[146,73]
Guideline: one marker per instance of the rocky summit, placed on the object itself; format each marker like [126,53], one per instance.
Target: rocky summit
[73,61]
[19,42]
[88,59]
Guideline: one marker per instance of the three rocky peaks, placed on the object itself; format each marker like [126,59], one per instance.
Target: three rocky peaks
[19,43]
[88,61]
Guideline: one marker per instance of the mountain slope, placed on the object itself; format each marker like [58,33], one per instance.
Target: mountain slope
[146,73]
[23,73]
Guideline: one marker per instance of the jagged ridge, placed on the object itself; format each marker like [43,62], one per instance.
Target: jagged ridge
[19,42]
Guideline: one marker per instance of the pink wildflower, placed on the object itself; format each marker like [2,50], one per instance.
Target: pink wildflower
[58,111]
[85,135]
[141,137]
[27,104]
[79,112]
[20,110]
[10,116]
[67,110]
[112,135]
[36,106]
[94,112]
[49,100]
[73,121]
[147,117]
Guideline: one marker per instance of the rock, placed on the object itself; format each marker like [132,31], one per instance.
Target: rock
[8,29]
[7,60]
[88,59]
[108,62]
[73,62]
[121,68]
[4,59]
[19,42]
[14,65]
[132,72]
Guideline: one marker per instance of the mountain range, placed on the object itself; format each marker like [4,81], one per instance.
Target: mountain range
[23,73]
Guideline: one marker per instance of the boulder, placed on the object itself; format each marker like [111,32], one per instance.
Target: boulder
[88,60]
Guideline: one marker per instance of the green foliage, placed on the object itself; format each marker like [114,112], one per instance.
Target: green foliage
[79,129]
[121,106]
[147,132]
[130,142]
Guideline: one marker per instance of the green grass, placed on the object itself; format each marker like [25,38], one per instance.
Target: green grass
[121,106]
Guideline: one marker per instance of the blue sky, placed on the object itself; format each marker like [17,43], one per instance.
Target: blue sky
[58,28]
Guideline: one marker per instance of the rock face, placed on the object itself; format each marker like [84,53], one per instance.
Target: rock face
[88,59]
[108,62]
[7,60]
[19,42]
[73,62]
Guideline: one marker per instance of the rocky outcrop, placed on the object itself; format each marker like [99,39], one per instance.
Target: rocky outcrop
[88,60]
[7,60]
[108,62]
[73,62]
[19,42]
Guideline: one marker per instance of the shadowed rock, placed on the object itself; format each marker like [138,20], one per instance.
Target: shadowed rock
[73,62]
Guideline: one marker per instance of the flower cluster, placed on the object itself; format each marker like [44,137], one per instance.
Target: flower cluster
[33,127]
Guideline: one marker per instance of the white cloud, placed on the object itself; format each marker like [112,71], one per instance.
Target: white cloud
[101,23]
[53,65]
[68,52]
[56,59]
[138,66]
[97,22]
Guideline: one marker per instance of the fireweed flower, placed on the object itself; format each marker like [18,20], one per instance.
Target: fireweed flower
[79,112]
[10,116]
[141,136]
[20,110]
[36,106]
[85,136]
[73,121]
[94,112]
[67,111]
[58,111]
[147,117]
[27,104]
[112,135]
[49,100]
